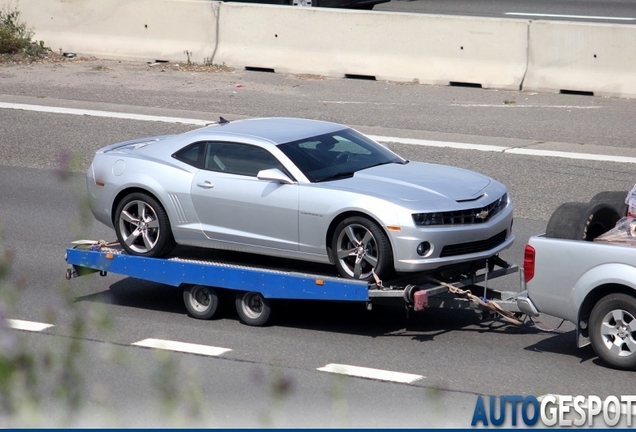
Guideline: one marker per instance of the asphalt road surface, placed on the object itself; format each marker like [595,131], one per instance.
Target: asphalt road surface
[617,11]
[270,376]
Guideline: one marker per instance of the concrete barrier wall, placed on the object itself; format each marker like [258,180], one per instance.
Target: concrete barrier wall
[587,57]
[125,29]
[389,46]
[496,53]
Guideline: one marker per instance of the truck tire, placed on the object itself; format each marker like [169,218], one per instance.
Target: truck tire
[581,221]
[253,309]
[615,199]
[613,330]
[201,301]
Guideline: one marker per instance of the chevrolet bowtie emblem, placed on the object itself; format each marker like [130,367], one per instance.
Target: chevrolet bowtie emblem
[482,214]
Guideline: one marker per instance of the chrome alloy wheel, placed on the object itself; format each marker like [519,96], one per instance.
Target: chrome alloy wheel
[618,331]
[139,226]
[357,251]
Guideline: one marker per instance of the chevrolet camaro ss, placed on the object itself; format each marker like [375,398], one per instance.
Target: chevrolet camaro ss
[301,189]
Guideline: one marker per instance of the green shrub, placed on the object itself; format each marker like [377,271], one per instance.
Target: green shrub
[14,35]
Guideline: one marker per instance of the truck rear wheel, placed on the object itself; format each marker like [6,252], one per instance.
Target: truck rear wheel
[581,221]
[615,199]
[202,302]
[253,309]
[613,330]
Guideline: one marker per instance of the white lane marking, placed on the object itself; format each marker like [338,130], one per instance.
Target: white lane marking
[507,150]
[514,105]
[570,16]
[27,325]
[376,374]
[580,156]
[448,144]
[108,114]
[411,141]
[181,347]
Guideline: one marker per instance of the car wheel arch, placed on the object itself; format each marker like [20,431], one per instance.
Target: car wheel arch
[591,299]
[342,216]
[125,192]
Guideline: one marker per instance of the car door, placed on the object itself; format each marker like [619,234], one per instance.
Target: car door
[234,206]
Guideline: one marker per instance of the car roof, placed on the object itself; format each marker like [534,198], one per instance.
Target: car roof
[277,130]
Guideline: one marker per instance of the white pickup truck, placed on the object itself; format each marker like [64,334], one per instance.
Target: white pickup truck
[589,283]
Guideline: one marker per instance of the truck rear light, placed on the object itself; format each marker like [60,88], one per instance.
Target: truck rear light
[528,263]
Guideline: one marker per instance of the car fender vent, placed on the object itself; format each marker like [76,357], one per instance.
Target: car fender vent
[178,208]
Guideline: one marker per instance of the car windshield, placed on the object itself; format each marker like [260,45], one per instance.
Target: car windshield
[337,155]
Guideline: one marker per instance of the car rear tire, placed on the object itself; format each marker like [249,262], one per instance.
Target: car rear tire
[360,247]
[142,226]
[253,309]
[613,330]
[581,221]
[202,302]
[615,199]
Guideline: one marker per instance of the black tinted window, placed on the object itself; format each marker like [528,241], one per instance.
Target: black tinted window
[239,159]
[192,154]
[336,154]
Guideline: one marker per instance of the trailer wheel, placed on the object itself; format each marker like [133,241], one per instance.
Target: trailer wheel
[581,221]
[202,302]
[613,330]
[253,309]
[615,199]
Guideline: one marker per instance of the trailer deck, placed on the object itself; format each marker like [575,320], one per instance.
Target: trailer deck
[256,286]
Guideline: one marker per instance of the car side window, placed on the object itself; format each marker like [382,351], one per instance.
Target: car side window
[236,158]
[192,154]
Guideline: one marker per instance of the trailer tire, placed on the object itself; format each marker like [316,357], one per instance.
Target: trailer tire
[615,199]
[253,309]
[581,221]
[613,330]
[202,302]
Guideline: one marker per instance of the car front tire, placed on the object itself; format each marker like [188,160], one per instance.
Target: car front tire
[142,226]
[361,247]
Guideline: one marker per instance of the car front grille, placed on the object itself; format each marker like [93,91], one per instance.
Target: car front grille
[473,247]
[462,217]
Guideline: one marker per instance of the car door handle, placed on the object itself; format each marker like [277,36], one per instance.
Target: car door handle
[205,185]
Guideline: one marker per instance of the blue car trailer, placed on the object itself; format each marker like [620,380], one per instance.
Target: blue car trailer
[256,288]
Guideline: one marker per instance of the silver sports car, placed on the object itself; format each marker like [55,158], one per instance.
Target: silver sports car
[301,189]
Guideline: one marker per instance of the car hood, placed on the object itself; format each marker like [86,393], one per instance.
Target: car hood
[417,182]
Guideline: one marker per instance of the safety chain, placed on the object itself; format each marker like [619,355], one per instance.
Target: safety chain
[488,304]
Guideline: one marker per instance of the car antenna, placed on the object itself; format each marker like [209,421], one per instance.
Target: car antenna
[223,121]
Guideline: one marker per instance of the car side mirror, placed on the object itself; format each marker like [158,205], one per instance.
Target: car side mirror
[274,174]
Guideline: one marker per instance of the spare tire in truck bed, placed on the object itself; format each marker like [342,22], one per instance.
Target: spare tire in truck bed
[615,199]
[581,221]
